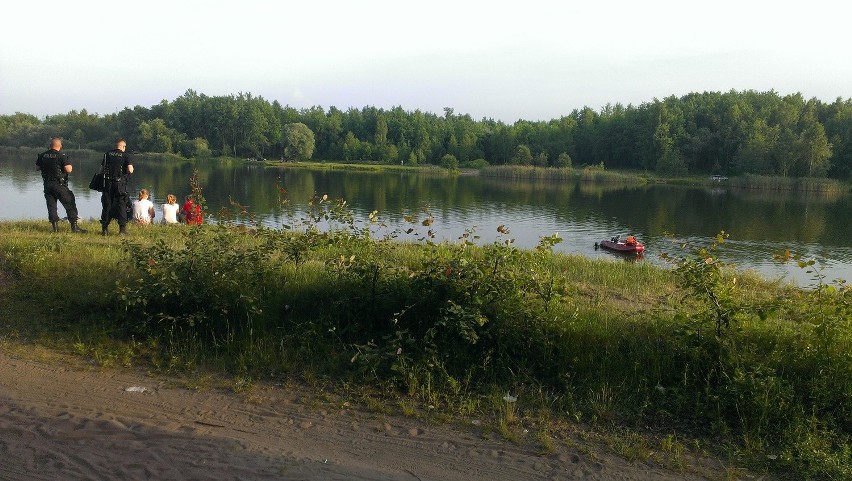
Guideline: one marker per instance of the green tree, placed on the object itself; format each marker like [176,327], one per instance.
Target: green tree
[351,147]
[450,162]
[670,161]
[523,155]
[755,153]
[298,141]
[156,136]
[563,161]
[196,147]
[815,149]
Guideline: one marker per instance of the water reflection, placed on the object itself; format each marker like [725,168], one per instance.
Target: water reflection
[761,223]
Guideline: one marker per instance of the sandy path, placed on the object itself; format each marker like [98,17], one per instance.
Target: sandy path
[58,422]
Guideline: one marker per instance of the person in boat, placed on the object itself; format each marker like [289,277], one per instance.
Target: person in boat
[630,240]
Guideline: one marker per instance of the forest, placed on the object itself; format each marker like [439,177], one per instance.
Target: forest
[731,133]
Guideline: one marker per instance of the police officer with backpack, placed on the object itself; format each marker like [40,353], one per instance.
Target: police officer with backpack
[116,167]
[54,167]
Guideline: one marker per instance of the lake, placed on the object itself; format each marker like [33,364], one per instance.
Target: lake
[761,223]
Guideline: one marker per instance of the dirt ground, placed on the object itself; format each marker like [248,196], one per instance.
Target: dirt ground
[60,420]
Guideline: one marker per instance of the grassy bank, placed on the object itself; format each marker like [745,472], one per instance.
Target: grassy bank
[593,174]
[326,165]
[759,371]
[562,174]
[799,184]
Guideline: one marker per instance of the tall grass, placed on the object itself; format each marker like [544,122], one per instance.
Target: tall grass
[588,174]
[364,166]
[800,184]
[528,172]
[607,341]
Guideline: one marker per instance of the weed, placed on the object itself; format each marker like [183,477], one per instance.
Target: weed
[507,432]
[510,408]
[545,442]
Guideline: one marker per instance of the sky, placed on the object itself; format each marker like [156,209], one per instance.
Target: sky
[530,59]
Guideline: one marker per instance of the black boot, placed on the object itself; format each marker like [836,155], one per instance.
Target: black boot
[76,228]
[55,227]
[122,229]
[104,230]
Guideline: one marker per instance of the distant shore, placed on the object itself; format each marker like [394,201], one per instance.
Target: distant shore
[517,172]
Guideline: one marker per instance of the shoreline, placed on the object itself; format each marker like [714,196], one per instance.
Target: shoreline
[590,174]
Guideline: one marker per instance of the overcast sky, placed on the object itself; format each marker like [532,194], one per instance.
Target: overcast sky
[504,60]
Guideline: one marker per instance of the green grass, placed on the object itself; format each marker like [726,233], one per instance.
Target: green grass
[451,328]
[369,167]
[799,184]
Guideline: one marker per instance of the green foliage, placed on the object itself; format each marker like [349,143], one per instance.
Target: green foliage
[196,147]
[197,191]
[477,164]
[203,285]
[298,141]
[671,164]
[523,155]
[746,132]
[450,162]
[701,274]
[563,161]
[155,136]
[800,184]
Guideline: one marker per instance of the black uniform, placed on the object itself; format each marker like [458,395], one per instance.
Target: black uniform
[114,197]
[52,165]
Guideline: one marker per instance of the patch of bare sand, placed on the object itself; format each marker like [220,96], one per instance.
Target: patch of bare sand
[60,422]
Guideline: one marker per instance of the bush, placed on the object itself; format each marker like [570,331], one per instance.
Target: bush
[450,162]
[477,164]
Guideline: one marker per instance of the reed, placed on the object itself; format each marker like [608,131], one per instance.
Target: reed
[527,172]
[799,184]
[366,167]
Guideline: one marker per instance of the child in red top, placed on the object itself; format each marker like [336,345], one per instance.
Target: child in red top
[192,212]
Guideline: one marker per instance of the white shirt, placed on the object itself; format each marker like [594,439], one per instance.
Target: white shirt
[170,213]
[141,211]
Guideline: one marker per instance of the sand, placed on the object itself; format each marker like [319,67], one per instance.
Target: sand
[59,421]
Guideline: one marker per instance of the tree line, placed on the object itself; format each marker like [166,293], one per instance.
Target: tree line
[734,132]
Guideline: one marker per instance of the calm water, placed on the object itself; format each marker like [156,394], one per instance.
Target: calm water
[760,223]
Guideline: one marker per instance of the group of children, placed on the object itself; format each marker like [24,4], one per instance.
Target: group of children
[190,213]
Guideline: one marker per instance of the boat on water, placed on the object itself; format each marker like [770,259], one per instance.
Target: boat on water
[627,246]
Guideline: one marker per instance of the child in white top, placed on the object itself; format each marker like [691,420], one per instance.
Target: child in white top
[170,210]
[143,209]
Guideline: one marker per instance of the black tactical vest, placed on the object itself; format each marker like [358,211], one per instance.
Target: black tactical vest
[114,165]
[52,168]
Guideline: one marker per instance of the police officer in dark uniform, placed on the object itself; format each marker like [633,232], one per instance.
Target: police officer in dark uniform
[117,168]
[54,167]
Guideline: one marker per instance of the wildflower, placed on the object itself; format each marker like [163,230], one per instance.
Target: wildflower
[509,398]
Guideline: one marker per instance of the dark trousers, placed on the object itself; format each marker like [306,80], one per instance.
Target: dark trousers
[54,191]
[114,203]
